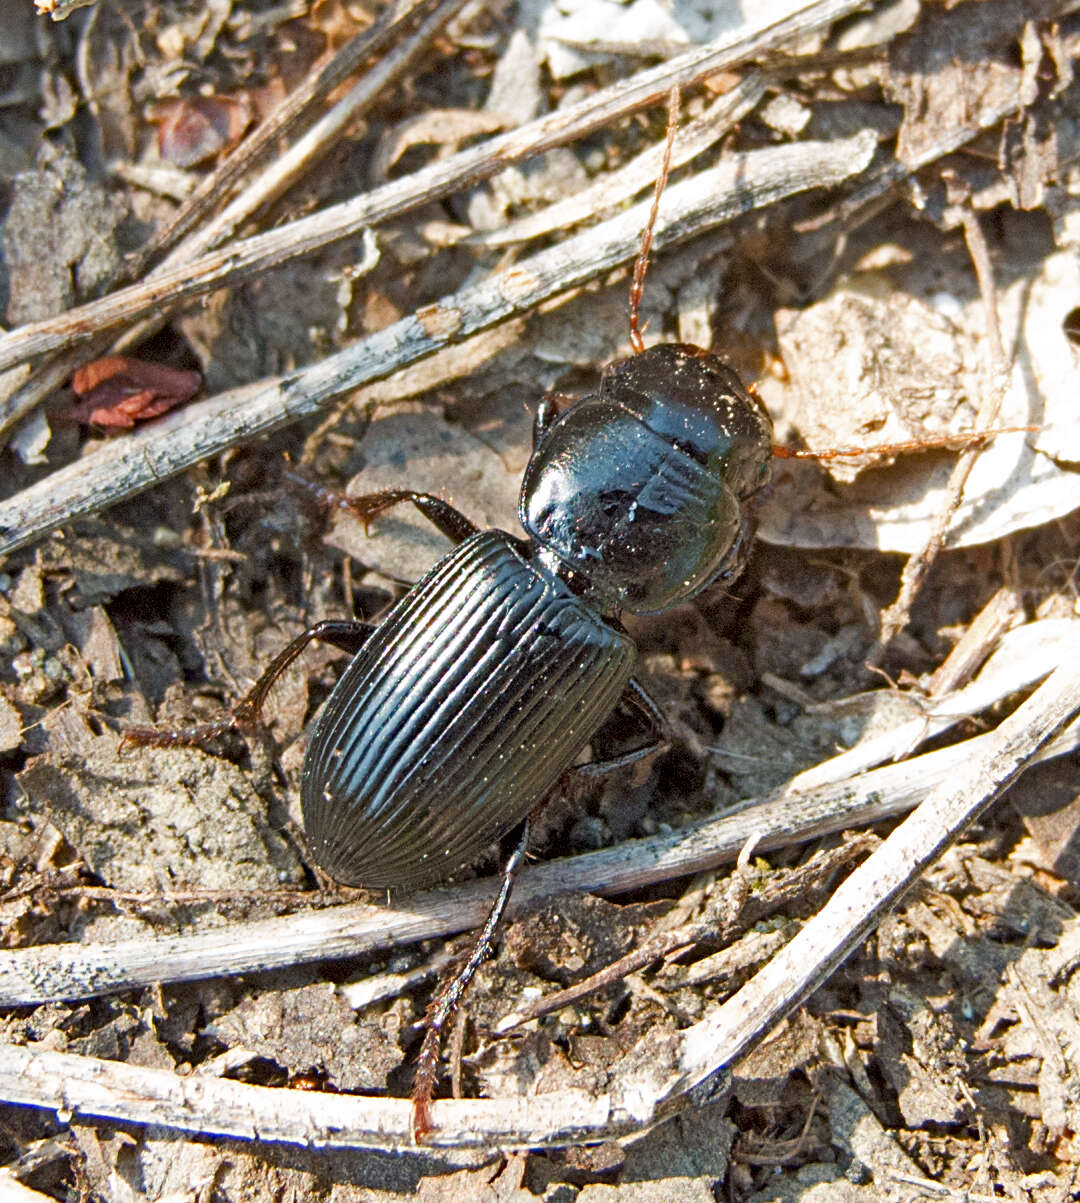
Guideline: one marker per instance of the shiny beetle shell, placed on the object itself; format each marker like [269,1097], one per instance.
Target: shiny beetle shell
[478,690]
[639,489]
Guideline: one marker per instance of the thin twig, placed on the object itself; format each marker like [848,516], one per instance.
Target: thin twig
[271,183]
[286,119]
[616,187]
[788,885]
[779,819]
[1002,612]
[1034,645]
[876,885]
[295,163]
[126,466]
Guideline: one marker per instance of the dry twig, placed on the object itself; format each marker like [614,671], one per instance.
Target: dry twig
[126,466]
[918,565]
[693,1068]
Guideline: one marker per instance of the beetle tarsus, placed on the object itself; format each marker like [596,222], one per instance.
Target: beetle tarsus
[441,514]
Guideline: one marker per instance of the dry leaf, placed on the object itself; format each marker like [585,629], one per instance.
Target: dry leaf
[116,392]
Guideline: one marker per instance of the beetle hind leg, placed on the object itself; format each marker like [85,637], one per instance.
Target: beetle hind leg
[448,998]
[244,715]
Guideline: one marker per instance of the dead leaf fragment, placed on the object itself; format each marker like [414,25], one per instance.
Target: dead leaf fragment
[193,129]
[116,392]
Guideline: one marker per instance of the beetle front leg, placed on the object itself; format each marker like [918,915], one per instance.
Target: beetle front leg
[441,514]
[546,413]
[244,715]
[448,999]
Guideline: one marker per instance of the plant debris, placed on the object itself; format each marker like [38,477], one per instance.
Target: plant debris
[228,148]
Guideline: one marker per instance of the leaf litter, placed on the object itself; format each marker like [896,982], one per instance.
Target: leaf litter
[943,1052]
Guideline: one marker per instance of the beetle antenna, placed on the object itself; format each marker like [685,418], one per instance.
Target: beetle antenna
[637,284]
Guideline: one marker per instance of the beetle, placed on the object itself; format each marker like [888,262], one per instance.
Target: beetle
[485,682]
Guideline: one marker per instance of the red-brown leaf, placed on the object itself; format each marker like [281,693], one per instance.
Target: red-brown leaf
[117,392]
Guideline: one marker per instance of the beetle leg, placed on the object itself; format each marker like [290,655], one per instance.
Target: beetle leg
[448,999]
[546,413]
[453,523]
[441,514]
[637,696]
[349,636]
[731,568]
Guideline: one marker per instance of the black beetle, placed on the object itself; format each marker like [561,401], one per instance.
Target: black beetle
[488,678]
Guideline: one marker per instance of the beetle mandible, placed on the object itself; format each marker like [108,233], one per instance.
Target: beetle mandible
[488,678]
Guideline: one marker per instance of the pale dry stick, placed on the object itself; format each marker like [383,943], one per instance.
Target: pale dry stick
[937,1191]
[49,972]
[126,466]
[1002,612]
[1035,645]
[281,174]
[665,941]
[918,565]
[697,135]
[714,1044]
[616,187]
[430,183]
[688,1067]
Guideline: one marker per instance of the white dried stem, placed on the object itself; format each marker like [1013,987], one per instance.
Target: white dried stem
[123,467]
[281,124]
[616,187]
[295,162]
[52,971]
[87,336]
